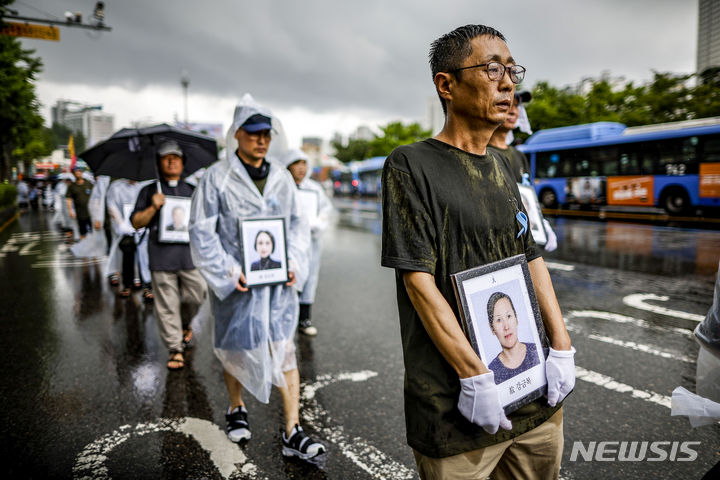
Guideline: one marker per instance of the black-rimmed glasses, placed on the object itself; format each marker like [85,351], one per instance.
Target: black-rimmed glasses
[496,70]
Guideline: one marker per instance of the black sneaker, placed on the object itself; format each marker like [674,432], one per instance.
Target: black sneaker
[238,428]
[300,445]
[306,328]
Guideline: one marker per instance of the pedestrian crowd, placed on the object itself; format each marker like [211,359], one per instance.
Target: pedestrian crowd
[450,203]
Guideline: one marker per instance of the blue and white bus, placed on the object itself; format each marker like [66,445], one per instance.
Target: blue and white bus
[674,166]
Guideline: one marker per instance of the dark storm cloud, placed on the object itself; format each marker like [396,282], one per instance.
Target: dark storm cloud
[329,55]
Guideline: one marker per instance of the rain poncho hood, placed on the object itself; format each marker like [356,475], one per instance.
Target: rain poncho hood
[253,331]
[246,109]
[292,156]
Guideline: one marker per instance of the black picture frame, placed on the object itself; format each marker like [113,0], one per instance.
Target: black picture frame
[509,280]
[168,232]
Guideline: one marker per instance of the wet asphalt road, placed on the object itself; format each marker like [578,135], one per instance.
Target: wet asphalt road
[87,395]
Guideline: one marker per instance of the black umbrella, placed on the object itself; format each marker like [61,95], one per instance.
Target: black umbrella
[131,152]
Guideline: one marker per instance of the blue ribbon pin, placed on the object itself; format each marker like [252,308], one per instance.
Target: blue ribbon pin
[523,221]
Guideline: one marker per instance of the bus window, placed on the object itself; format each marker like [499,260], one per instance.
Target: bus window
[606,159]
[547,165]
[677,157]
[633,156]
[710,149]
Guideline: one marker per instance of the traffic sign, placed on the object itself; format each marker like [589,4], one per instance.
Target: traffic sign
[31,30]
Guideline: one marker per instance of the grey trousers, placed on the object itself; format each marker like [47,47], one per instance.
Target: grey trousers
[177,298]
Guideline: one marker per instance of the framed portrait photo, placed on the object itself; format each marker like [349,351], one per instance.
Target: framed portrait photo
[501,319]
[264,250]
[174,220]
[535,216]
[309,203]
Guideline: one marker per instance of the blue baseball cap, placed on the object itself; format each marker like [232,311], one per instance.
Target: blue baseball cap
[257,123]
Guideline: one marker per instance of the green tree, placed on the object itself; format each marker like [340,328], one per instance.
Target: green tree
[668,97]
[39,145]
[19,107]
[394,134]
[356,149]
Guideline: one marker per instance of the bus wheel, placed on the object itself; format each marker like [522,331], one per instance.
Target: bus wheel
[675,201]
[548,198]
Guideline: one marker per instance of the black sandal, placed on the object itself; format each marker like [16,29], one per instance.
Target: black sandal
[187,336]
[179,362]
[148,295]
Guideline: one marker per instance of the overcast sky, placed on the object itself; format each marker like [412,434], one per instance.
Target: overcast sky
[329,65]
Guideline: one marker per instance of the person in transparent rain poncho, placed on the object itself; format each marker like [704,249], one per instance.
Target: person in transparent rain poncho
[253,327]
[296,162]
[61,219]
[97,207]
[126,240]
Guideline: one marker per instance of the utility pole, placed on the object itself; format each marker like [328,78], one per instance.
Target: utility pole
[185,82]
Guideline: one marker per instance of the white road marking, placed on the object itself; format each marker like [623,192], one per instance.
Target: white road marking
[612,384]
[224,453]
[357,450]
[560,266]
[227,457]
[26,249]
[640,347]
[616,317]
[79,262]
[637,300]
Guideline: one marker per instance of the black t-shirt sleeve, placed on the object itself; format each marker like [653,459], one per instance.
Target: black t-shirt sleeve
[408,238]
[144,199]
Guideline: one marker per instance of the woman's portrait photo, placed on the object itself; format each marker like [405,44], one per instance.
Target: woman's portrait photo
[265,246]
[516,356]
[264,250]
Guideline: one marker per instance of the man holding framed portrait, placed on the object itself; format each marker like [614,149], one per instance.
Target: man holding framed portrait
[233,223]
[450,205]
[179,289]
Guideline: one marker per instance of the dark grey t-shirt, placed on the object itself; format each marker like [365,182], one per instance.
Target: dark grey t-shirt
[167,257]
[444,211]
[518,161]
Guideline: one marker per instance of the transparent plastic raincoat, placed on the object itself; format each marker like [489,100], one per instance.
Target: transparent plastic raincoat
[253,330]
[121,197]
[62,217]
[318,225]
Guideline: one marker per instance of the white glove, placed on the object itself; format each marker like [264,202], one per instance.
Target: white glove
[560,371]
[479,402]
[551,237]
[126,229]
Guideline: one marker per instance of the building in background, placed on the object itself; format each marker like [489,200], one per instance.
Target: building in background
[708,41]
[90,120]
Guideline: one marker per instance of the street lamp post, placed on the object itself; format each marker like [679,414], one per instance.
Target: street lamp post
[185,82]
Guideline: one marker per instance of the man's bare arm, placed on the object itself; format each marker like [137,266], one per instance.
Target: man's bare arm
[442,325]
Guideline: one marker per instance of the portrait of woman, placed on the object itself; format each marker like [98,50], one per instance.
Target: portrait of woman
[516,356]
[265,246]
